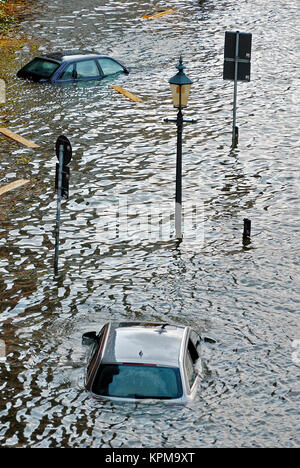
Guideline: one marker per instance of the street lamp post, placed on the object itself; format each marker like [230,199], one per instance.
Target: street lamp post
[180,87]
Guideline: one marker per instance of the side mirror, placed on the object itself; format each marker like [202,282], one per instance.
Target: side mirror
[89,338]
[207,339]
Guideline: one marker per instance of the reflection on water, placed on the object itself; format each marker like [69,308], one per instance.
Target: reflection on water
[123,153]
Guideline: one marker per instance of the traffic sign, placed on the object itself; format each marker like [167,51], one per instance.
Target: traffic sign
[237,53]
[244,49]
[243,72]
[67,149]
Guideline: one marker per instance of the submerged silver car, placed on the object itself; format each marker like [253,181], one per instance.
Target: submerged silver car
[130,361]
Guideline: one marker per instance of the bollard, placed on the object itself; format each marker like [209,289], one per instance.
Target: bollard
[235,137]
[247,231]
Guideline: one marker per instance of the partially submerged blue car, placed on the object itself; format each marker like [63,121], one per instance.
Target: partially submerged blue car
[71,66]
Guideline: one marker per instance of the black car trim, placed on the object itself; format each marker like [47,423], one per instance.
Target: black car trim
[91,376]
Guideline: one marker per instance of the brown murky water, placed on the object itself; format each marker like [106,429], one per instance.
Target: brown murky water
[247,298]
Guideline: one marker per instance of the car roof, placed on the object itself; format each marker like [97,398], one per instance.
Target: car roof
[144,343]
[65,55]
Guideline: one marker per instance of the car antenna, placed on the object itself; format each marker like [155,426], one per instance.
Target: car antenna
[162,328]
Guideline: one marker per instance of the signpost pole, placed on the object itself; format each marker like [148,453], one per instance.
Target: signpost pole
[64,155]
[59,191]
[236,64]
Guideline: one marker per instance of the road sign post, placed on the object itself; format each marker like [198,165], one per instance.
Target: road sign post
[58,211]
[237,64]
[64,155]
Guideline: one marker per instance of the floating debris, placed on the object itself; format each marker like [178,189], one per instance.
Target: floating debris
[159,14]
[126,93]
[13,185]
[18,138]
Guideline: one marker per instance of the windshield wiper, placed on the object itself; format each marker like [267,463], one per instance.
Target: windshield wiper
[137,395]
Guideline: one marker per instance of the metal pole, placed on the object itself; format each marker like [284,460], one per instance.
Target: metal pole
[247,228]
[59,191]
[178,194]
[236,64]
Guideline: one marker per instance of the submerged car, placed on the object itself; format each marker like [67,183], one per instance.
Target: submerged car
[131,361]
[71,66]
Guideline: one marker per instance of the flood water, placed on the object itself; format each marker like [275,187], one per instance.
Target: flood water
[112,266]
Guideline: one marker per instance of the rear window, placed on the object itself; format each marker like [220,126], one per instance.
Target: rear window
[41,67]
[137,381]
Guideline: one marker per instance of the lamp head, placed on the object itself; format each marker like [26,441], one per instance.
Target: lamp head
[180,87]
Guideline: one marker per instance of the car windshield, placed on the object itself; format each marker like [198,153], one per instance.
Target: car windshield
[41,67]
[137,381]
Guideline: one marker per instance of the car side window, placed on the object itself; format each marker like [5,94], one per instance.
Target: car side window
[193,345]
[68,74]
[94,351]
[87,69]
[190,370]
[109,66]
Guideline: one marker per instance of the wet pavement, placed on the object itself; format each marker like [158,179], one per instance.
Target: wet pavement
[113,266]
